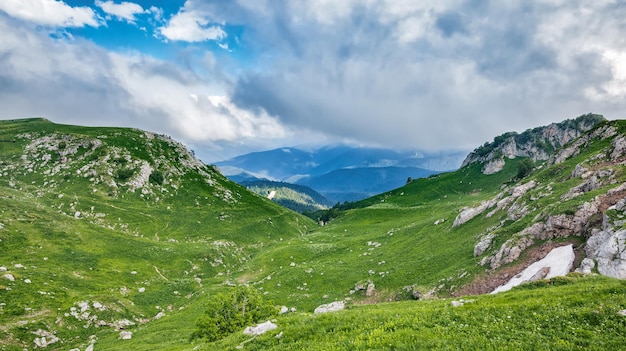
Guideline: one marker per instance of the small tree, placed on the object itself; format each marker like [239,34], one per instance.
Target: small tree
[525,167]
[227,313]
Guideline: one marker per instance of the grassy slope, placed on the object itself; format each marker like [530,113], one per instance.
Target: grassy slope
[562,314]
[181,240]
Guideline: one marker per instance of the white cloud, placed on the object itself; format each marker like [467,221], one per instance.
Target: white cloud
[124,11]
[191,24]
[80,83]
[50,13]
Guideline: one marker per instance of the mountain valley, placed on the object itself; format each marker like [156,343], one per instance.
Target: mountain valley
[111,231]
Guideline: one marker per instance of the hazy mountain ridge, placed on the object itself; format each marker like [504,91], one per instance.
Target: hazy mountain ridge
[370,170]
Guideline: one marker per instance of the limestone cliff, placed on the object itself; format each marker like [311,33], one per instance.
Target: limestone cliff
[539,143]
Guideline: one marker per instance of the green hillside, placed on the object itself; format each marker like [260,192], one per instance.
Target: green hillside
[118,226]
[121,219]
[298,198]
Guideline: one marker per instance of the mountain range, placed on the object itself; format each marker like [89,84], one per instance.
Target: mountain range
[340,172]
[120,239]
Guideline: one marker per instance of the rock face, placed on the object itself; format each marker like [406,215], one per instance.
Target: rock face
[259,329]
[537,143]
[330,307]
[557,263]
[607,246]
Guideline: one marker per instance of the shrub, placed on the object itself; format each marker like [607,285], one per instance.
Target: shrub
[124,174]
[156,177]
[525,167]
[227,313]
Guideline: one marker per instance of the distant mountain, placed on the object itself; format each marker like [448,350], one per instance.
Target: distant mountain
[340,172]
[295,197]
[352,184]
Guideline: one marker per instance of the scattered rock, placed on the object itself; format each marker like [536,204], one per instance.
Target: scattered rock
[622,313]
[260,328]
[45,338]
[126,335]
[283,310]
[9,276]
[456,303]
[483,244]
[3,269]
[330,307]
[370,289]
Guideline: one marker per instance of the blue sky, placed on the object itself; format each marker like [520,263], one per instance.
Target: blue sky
[228,77]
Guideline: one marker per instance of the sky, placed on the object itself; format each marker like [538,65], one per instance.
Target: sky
[228,77]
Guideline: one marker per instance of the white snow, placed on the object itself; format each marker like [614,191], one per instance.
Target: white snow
[559,261]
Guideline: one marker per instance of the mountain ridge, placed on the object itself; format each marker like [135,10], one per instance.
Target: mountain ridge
[537,143]
[371,170]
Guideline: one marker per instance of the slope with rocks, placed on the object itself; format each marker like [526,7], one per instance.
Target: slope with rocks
[104,230]
[538,143]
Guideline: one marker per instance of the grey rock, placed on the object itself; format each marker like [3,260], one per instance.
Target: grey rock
[330,307]
[259,329]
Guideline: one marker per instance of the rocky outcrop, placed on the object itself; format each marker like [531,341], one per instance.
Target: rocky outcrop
[499,201]
[607,246]
[555,226]
[577,145]
[493,166]
[538,143]
[483,244]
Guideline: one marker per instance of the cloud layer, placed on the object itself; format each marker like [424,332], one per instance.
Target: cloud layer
[400,73]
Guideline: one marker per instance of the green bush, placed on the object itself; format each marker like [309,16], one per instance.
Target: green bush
[525,167]
[156,177]
[228,313]
[125,174]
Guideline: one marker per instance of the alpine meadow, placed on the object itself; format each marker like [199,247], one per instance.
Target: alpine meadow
[120,239]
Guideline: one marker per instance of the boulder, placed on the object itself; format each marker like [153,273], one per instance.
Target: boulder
[126,335]
[330,307]
[608,249]
[260,328]
[586,266]
[483,244]
[370,289]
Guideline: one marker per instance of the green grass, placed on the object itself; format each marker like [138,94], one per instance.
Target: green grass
[562,314]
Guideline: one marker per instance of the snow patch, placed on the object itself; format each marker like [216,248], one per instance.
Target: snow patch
[557,263]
